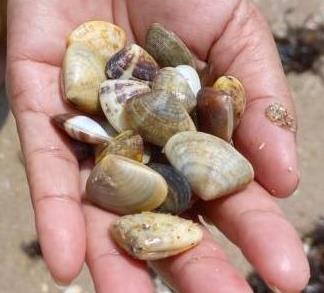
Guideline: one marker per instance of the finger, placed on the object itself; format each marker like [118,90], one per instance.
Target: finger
[112,270]
[201,269]
[254,222]
[246,49]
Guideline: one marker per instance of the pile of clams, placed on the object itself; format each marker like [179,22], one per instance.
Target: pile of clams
[166,140]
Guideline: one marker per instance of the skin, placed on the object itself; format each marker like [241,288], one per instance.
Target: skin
[234,38]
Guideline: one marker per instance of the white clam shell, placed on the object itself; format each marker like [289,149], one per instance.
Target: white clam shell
[113,96]
[211,165]
[192,77]
[151,236]
[82,128]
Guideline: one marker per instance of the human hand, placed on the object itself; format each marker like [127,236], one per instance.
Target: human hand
[234,38]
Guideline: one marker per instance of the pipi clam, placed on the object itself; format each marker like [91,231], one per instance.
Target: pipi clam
[215,113]
[83,72]
[211,165]
[113,96]
[179,190]
[157,116]
[152,236]
[132,62]
[101,37]
[234,88]
[170,80]
[82,128]
[167,48]
[124,186]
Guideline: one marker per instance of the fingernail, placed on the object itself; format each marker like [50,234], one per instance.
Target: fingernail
[61,286]
[274,289]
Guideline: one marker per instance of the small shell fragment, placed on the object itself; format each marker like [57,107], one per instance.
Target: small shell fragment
[127,144]
[170,80]
[279,115]
[132,62]
[82,128]
[211,165]
[234,88]
[179,190]
[83,72]
[102,37]
[167,48]
[157,116]
[192,77]
[125,186]
[113,96]
[215,113]
[152,236]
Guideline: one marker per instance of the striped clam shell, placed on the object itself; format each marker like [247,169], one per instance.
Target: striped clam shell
[113,96]
[157,116]
[125,186]
[211,165]
[82,128]
[179,190]
[152,236]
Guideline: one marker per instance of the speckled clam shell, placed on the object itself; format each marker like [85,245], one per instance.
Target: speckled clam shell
[152,236]
[179,190]
[168,79]
[215,113]
[132,62]
[125,186]
[211,165]
[113,96]
[102,37]
[234,88]
[127,144]
[82,128]
[157,116]
[167,48]
[191,76]
[83,72]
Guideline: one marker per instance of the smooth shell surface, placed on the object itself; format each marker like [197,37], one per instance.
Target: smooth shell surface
[215,113]
[179,190]
[102,37]
[168,79]
[192,77]
[82,128]
[127,144]
[124,186]
[113,96]
[132,62]
[152,236]
[167,48]
[83,72]
[157,116]
[234,88]
[211,165]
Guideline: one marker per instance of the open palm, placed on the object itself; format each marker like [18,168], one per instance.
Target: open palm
[234,39]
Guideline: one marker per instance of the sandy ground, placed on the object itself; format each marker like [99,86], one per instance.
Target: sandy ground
[18,273]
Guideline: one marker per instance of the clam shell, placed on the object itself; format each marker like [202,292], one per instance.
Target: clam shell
[168,79]
[167,48]
[82,128]
[82,151]
[124,186]
[127,144]
[211,165]
[102,37]
[179,190]
[152,236]
[113,96]
[215,113]
[192,77]
[157,116]
[132,62]
[83,72]
[234,88]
